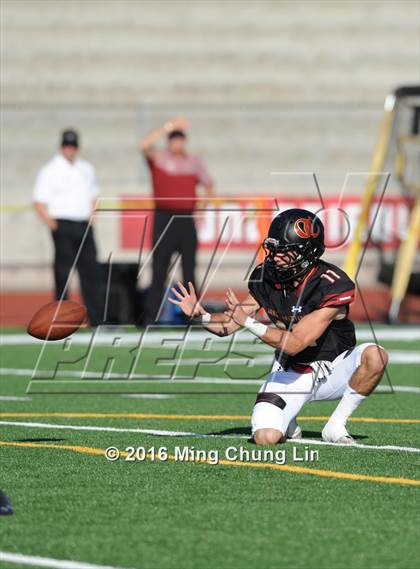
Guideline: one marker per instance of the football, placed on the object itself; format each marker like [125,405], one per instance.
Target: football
[57,320]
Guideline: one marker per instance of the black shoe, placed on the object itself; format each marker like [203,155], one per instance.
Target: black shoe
[5,505]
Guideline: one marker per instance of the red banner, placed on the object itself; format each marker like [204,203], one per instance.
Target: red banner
[242,222]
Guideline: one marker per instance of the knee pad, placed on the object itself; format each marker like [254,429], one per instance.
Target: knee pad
[273,398]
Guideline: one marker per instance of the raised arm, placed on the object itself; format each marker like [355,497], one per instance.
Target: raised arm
[147,143]
[218,323]
[304,333]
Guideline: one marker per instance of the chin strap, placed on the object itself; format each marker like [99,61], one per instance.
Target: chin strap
[291,285]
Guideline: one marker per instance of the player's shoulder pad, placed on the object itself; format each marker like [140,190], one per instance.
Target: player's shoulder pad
[336,286]
[256,277]
[256,274]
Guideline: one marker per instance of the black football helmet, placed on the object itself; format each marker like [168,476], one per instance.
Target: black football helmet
[299,235]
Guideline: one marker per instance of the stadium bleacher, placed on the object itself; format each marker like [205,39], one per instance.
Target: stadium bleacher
[237,74]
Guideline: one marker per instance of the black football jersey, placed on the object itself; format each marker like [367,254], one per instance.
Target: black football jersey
[325,285]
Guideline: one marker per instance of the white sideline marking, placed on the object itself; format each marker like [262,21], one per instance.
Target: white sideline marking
[399,388]
[395,357]
[93,376]
[149,395]
[197,435]
[218,381]
[405,334]
[403,357]
[356,445]
[13,398]
[49,562]
[109,429]
[161,379]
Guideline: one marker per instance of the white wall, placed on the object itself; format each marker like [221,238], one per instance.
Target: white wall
[268,86]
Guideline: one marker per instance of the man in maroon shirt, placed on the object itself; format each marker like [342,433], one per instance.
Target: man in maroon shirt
[175,175]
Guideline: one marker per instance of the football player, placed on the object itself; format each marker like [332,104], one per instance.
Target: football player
[316,357]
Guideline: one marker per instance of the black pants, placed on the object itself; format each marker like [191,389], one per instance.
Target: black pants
[68,245]
[171,233]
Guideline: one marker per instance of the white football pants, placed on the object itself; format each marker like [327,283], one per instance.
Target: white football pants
[297,389]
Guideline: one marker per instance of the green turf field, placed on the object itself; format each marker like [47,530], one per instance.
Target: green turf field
[349,508]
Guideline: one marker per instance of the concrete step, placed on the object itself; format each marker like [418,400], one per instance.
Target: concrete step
[167,14]
[248,51]
[240,145]
[190,87]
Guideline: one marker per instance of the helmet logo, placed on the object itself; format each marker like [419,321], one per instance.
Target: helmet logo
[304,228]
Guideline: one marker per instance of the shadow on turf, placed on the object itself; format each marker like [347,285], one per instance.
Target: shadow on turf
[39,440]
[305,434]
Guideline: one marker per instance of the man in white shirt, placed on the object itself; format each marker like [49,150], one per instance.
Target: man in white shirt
[64,197]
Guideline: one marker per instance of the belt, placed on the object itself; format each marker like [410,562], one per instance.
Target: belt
[301,368]
[79,221]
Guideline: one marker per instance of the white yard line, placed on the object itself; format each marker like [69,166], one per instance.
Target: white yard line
[45,375]
[31,425]
[93,377]
[403,357]
[49,562]
[156,432]
[149,395]
[13,398]
[393,333]
[356,445]
[399,388]
[198,337]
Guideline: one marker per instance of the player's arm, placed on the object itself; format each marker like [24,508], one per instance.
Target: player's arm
[209,190]
[42,212]
[303,335]
[206,180]
[94,190]
[41,195]
[147,143]
[206,197]
[222,324]
[218,323]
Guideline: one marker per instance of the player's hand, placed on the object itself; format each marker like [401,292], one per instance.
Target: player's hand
[52,224]
[179,123]
[234,308]
[187,300]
